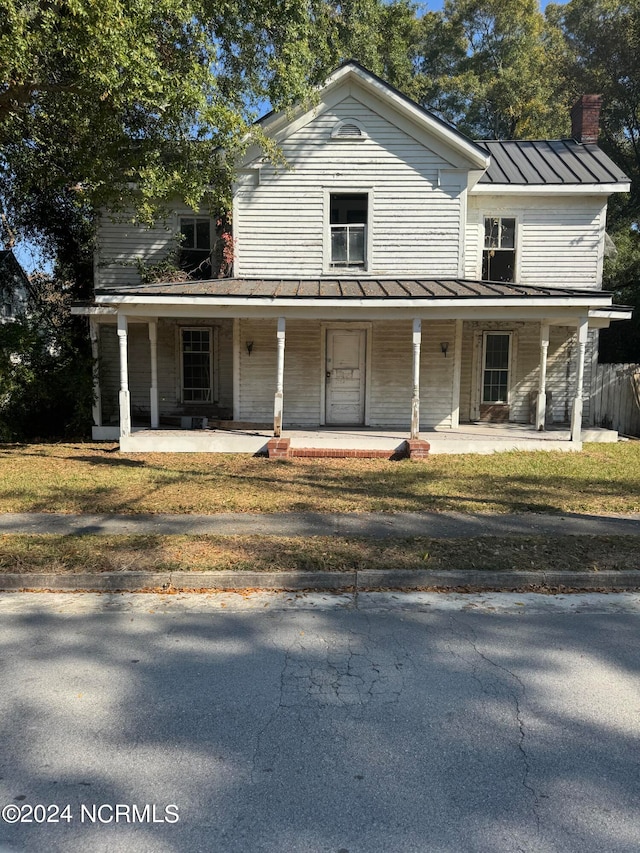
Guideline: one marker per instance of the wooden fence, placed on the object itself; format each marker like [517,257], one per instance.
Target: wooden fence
[616,397]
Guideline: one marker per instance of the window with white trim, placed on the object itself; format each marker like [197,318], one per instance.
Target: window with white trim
[496,364]
[348,226]
[196,349]
[195,246]
[499,252]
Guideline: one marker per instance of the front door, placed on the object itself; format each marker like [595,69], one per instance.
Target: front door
[345,377]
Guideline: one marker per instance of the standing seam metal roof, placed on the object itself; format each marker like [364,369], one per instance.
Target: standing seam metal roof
[352,288]
[557,162]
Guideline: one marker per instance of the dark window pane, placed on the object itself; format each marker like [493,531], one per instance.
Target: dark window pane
[203,239]
[508,234]
[338,245]
[187,228]
[491,232]
[498,264]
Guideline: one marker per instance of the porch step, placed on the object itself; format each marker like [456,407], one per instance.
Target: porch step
[280,448]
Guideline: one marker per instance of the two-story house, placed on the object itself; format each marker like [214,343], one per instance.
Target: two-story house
[393,277]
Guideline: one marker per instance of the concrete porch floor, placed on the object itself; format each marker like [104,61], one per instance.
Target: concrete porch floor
[468,438]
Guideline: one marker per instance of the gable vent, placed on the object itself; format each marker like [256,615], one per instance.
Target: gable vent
[348,129]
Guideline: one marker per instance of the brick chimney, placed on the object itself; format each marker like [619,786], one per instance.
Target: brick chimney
[585,118]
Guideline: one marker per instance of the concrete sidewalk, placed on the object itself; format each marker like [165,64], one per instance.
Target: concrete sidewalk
[371,525]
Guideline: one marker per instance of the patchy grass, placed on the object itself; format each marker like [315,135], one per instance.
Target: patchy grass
[604,478]
[73,554]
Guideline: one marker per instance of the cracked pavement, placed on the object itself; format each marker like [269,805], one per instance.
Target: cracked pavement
[317,723]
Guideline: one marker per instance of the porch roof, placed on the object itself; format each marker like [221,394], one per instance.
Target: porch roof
[431,289]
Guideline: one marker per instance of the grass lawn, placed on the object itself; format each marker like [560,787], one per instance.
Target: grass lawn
[604,478]
[154,553]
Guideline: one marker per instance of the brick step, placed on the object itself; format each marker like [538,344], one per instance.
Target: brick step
[280,448]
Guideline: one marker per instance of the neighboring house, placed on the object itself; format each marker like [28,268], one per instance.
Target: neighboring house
[14,287]
[395,275]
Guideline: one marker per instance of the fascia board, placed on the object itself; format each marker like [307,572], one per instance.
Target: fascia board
[386,304]
[549,189]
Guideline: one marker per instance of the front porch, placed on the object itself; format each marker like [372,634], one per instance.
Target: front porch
[482,438]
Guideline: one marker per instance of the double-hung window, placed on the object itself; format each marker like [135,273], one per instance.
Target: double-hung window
[496,365]
[195,247]
[499,252]
[197,365]
[348,226]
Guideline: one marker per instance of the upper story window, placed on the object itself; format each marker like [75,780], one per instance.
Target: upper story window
[499,253]
[195,248]
[348,225]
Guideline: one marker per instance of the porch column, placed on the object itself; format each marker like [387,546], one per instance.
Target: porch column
[124,396]
[153,393]
[576,414]
[96,406]
[541,407]
[277,406]
[415,400]
[457,377]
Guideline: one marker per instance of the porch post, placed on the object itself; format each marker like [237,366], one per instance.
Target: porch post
[457,377]
[96,406]
[153,393]
[541,407]
[415,400]
[124,396]
[576,414]
[277,406]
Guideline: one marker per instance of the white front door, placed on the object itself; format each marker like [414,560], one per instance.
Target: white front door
[345,377]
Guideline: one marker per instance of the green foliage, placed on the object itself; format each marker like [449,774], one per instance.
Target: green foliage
[45,369]
[489,67]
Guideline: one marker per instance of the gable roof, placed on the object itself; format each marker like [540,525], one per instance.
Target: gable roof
[279,124]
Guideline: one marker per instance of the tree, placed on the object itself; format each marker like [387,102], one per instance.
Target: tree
[128,103]
[489,68]
[602,56]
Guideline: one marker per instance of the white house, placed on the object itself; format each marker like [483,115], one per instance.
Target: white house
[394,279]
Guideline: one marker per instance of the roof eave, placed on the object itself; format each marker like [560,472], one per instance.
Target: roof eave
[485,188]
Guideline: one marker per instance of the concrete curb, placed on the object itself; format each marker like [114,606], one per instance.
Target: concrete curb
[321,581]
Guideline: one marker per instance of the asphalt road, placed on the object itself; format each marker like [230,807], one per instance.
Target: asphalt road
[264,723]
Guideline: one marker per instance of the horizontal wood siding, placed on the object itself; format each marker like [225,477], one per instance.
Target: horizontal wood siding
[122,242]
[413,223]
[139,358]
[391,374]
[559,239]
[257,372]
[561,374]
[436,374]
[302,374]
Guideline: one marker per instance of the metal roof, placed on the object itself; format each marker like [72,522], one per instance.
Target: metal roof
[562,161]
[348,288]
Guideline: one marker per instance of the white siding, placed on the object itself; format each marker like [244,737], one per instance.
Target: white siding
[561,363]
[121,243]
[414,224]
[559,238]
[389,380]
[139,362]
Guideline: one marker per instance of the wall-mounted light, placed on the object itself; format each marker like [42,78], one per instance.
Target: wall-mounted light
[444,346]
[249,347]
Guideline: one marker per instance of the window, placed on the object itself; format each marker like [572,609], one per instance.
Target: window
[495,378]
[499,254]
[197,365]
[195,248]
[348,225]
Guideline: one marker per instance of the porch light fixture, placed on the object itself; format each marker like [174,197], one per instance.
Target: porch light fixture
[444,346]
[249,347]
